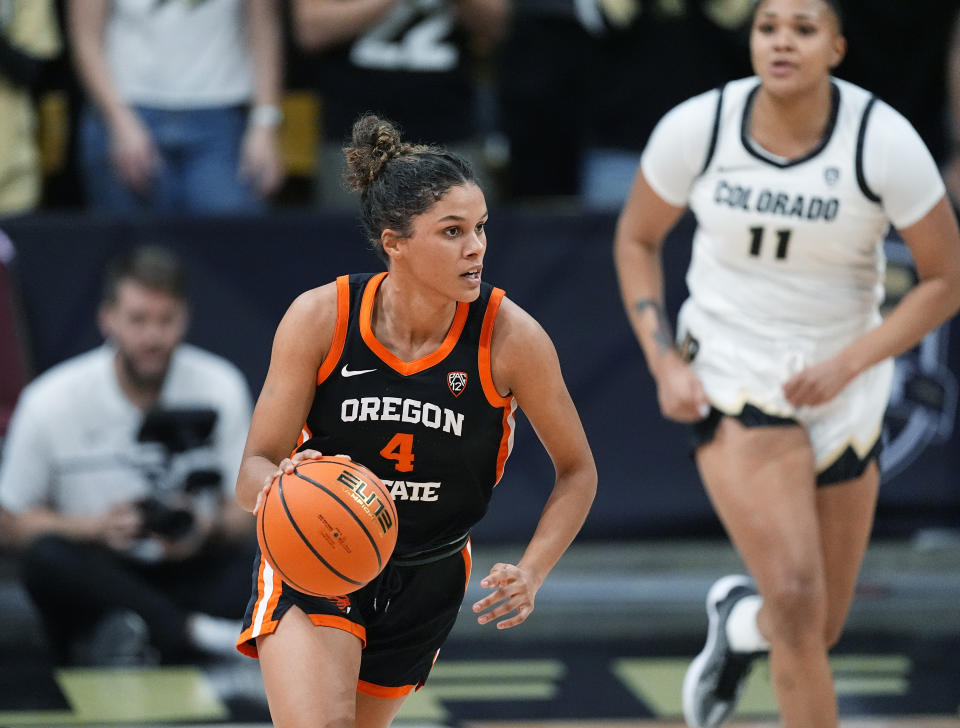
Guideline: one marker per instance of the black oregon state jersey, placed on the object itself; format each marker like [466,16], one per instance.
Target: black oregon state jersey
[435,430]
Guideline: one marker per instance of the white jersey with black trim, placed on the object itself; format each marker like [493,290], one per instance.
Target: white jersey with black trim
[790,248]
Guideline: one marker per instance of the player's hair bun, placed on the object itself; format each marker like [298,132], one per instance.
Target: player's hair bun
[374,143]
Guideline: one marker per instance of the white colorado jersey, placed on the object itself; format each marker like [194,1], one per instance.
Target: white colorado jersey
[788,249]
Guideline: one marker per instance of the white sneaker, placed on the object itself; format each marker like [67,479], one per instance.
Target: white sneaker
[716,676]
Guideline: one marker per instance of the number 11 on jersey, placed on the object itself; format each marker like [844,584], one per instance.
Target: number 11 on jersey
[756,242]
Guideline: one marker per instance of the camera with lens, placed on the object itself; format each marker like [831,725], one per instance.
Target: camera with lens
[184,475]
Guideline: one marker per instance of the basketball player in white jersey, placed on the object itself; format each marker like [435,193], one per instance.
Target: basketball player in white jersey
[781,359]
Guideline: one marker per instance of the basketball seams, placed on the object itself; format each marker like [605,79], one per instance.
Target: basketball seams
[354,488]
[266,546]
[309,545]
[346,507]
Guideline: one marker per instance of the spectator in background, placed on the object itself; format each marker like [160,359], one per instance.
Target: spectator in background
[29,39]
[414,61]
[603,72]
[542,77]
[184,103]
[645,63]
[901,54]
[120,504]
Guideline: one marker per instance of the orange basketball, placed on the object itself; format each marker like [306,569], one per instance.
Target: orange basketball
[329,528]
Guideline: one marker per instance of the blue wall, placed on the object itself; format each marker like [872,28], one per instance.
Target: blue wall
[558,266]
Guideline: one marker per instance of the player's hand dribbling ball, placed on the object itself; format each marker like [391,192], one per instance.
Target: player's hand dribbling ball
[328,528]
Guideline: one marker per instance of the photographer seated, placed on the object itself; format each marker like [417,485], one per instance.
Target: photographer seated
[116,483]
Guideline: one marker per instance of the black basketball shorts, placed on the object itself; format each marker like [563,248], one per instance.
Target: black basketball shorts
[402,617]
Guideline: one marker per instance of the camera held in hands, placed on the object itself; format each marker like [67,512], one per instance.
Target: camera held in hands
[185,476]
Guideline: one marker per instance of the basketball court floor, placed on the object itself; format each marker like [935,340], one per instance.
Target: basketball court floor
[607,647]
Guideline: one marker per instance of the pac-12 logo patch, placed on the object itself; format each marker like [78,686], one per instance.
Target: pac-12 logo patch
[456,382]
[831,175]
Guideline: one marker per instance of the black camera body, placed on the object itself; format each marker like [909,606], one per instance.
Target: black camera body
[178,431]
[162,520]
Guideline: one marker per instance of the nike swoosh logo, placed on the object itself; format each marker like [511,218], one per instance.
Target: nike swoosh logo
[352,373]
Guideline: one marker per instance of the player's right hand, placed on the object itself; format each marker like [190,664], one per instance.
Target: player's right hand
[680,392]
[285,467]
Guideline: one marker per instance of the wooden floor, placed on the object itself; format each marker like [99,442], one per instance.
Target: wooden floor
[898,665]
[575,688]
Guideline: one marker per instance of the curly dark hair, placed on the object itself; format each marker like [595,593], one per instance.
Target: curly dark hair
[397,180]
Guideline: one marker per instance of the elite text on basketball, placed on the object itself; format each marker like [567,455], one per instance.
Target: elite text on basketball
[372,502]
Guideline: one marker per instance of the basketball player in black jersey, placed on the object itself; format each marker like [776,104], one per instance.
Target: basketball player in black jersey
[416,373]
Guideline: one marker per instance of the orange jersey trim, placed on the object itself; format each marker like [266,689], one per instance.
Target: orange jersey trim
[406,368]
[305,435]
[485,363]
[381,691]
[336,346]
[332,620]
[246,643]
[467,553]
[339,332]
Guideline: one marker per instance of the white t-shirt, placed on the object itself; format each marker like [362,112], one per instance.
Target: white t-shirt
[788,249]
[72,443]
[179,54]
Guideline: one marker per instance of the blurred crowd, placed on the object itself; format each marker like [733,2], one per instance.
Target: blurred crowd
[223,106]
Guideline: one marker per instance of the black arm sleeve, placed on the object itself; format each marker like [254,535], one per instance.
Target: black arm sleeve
[21,68]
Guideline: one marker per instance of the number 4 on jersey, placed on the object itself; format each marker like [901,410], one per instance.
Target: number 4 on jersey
[400,448]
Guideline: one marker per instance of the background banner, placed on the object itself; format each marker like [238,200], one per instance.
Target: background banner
[559,266]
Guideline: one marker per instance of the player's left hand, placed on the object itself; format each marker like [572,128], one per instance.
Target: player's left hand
[288,465]
[817,384]
[514,591]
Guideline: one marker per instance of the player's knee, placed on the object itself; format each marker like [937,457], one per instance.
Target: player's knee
[796,606]
[323,709]
[342,721]
[339,712]
[331,718]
